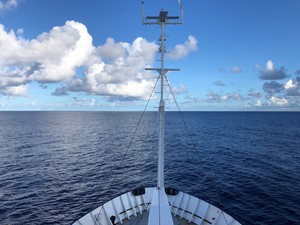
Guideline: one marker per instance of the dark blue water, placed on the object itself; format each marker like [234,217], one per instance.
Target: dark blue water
[57,166]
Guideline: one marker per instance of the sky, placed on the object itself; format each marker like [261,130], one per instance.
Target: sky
[90,55]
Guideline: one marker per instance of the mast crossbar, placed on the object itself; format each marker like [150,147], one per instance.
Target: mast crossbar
[162,19]
[160,212]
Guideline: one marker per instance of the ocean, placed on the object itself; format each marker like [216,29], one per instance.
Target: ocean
[57,166]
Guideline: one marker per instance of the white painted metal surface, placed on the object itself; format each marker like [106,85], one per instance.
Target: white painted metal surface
[185,207]
[162,19]
[160,212]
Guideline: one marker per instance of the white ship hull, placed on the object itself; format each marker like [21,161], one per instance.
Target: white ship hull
[129,208]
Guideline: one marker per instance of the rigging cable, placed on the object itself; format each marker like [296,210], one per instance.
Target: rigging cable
[129,145]
[186,127]
[146,106]
[204,174]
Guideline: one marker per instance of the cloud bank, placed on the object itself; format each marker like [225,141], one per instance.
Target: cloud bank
[114,69]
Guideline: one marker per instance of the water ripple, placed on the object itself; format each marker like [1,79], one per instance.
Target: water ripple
[57,166]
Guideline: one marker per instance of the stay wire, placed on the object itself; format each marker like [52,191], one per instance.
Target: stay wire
[129,145]
[140,120]
[186,127]
[204,174]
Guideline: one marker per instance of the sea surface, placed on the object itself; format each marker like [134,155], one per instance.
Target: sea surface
[57,166]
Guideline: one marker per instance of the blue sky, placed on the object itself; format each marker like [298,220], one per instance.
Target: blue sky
[90,55]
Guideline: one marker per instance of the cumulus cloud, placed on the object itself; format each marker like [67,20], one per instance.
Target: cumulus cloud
[219,83]
[15,90]
[278,101]
[55,56]
[123,73]
[51,57]
[114,69]
[182,50]
[258,103]
[272,87]
[119,49]
[292,87]
[271,73]
[120,74]
[8,5]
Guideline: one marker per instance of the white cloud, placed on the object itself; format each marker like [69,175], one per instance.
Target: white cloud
[8,5]
[269,65]
[278,101]
[292,87]
[51,57]
[182,50]
[62,51]
[258,103]
[15,90]
[119,49]
[113,69]
[8,78]
[291,84]
[123,73]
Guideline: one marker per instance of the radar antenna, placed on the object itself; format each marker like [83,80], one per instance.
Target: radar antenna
[148,20]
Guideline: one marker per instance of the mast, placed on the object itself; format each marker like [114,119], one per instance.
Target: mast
[162,20]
